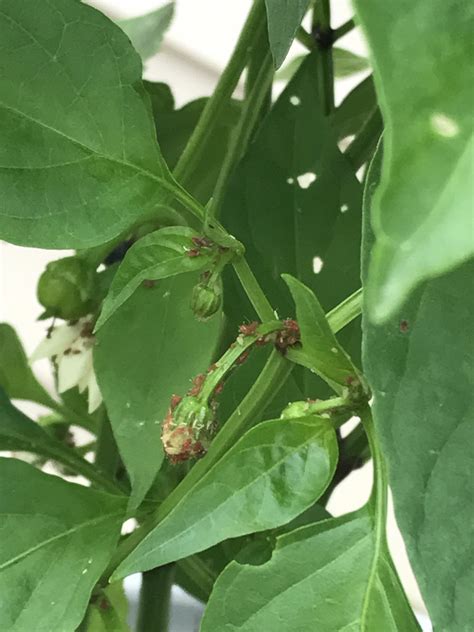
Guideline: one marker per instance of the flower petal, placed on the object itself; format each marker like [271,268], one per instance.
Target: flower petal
[71,368]
[95,396]
[60,339]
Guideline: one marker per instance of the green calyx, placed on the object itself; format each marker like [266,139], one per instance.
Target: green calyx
[206,299]
[66,288]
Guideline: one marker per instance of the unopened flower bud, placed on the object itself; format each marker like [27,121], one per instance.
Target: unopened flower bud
[206,299]
[188,429]
[66,288]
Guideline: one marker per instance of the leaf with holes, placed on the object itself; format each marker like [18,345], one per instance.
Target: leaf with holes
[330,576]
[321,352]
[73,173]
[295,204]
[146,31]
[51,531]
[283,19]
[16,376]
[422,214]
[158,255]
[148,350]
[274,472]
[419,366]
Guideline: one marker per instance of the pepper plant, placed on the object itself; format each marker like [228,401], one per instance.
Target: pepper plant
[247,275]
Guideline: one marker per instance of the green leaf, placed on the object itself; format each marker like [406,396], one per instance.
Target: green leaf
[158,255]
[349,118]
[327,576]
[174,127]
[147,351]
[321,352]
[16,376]
[345,63]
[312,233]
[283,19]
[109,611]
[57,538]
[146,31]
[273,473]
[419,366]
[79,161]
[422,214]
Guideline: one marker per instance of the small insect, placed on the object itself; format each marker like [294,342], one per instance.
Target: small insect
[149,283]
[193,252]
[198,381]
[250,329]
[242,357]
[404,326]
[202,242]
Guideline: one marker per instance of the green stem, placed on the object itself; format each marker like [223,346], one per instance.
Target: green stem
[198,572]
[343,29]
[345,312]
[244,129]
[305,38]
[323,35]
[253,290]
[155,599]
[363,145]
[195,149]
[270,380]
[378,498]
[73,418]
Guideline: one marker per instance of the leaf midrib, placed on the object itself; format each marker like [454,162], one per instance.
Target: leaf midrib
[59,536]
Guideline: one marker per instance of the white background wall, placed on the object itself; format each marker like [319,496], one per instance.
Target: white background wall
[194,52]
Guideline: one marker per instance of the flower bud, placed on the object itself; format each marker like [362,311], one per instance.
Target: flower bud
[66,288]
[188,429]
[206,299]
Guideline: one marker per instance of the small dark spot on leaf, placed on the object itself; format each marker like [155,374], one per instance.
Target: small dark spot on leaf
[404,326]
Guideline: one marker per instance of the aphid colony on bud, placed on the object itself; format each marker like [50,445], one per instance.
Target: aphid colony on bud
[190,422]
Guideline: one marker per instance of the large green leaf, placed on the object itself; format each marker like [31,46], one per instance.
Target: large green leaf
[419,365]
[158,255]
[329,576]
[146,31]
[79,161]
[422,215]
[57,538]
[284,18]
[16,376]
[274,472]
[320,351]
[148,350]
[311,232]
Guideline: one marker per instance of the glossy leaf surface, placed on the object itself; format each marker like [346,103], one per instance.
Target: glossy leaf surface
[16,376]
[284,18]
[148,350]
[320,351]
[158,255]
[73,173]
[146,31]
[51,532]
[273,473]
[327,576]
[419,365]
[422,214]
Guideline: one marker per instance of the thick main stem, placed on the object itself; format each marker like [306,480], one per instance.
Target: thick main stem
[324,39]
[196,146]
[155,599]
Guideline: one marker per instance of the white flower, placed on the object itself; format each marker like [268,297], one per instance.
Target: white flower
[71,347]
